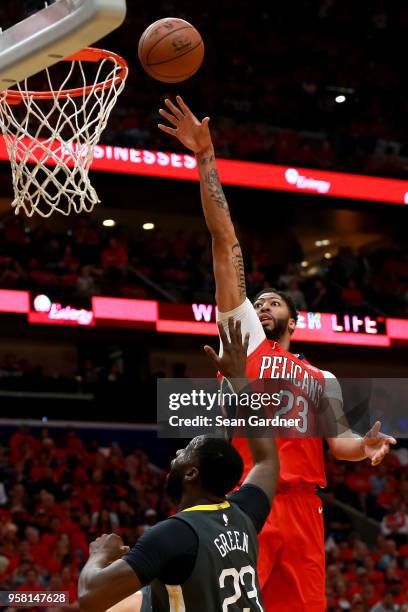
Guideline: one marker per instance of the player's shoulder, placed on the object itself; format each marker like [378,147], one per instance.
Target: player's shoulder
[246,491]
[252,501]
[332,386]
[310,366]
[328,375]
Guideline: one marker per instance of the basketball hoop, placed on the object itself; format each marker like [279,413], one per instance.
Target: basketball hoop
[51,135]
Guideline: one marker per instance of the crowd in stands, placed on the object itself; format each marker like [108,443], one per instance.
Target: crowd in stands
[359,577]
[270,80]
[178,266]
[22,374]
[57,494]
[359,283]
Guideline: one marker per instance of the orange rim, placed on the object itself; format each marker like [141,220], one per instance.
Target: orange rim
[89,54]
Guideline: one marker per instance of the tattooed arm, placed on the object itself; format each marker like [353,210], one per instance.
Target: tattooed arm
[228,263]
[227,256]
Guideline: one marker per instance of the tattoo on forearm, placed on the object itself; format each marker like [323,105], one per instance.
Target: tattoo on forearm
[212,179]
[204,161]
[238,263]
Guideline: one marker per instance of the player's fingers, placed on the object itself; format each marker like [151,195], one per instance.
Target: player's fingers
[223,335]
[212,355]
[124,549]
[170,118]
[238,332]
[231,329]
[174,109]
[373,433]
[182,105]
[376,428]
[378,457]
[384,450]
[246,343]
[205,121]
[168,130]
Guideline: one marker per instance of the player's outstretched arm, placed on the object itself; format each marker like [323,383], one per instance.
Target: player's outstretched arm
[227,256]
[106,579]
[374,446]
[344,443]
[232,365]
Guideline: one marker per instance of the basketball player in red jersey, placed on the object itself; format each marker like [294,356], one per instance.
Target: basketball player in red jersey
[291,561]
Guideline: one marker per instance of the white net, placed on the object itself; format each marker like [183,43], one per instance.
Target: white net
[51,142]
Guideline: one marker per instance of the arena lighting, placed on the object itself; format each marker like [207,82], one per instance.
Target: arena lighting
[304,264]
[328,256]
[340,99]
[315,327]
[14,301]
[108,223]
[246,174]
[42,303]
[199,319]
[148,226]
[54,313]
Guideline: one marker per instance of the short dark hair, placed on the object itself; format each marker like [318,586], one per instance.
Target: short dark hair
[285,297]
[220,464]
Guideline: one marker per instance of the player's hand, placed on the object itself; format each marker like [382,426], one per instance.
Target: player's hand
[376,444]
[192,133]
[232,363]
[108,547]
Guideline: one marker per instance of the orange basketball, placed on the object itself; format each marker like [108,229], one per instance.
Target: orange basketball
[171,50]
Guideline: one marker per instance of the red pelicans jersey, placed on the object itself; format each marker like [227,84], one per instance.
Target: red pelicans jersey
[303,387]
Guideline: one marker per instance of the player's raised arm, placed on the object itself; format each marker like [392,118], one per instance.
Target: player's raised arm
[227,256]
[232,365]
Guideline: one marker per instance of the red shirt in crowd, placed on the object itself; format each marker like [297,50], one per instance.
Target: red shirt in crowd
[114,257]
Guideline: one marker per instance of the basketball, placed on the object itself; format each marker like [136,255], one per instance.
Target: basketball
[171,50]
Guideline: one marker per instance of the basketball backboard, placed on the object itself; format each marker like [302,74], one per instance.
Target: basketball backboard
[53,33]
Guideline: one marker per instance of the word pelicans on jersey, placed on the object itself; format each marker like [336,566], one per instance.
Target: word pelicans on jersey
[281,367]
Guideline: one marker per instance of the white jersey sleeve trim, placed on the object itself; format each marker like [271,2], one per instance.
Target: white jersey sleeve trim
[333,391]
[332,388]
[250,323]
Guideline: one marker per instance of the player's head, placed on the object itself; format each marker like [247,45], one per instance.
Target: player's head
[206,465]
[277,313]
